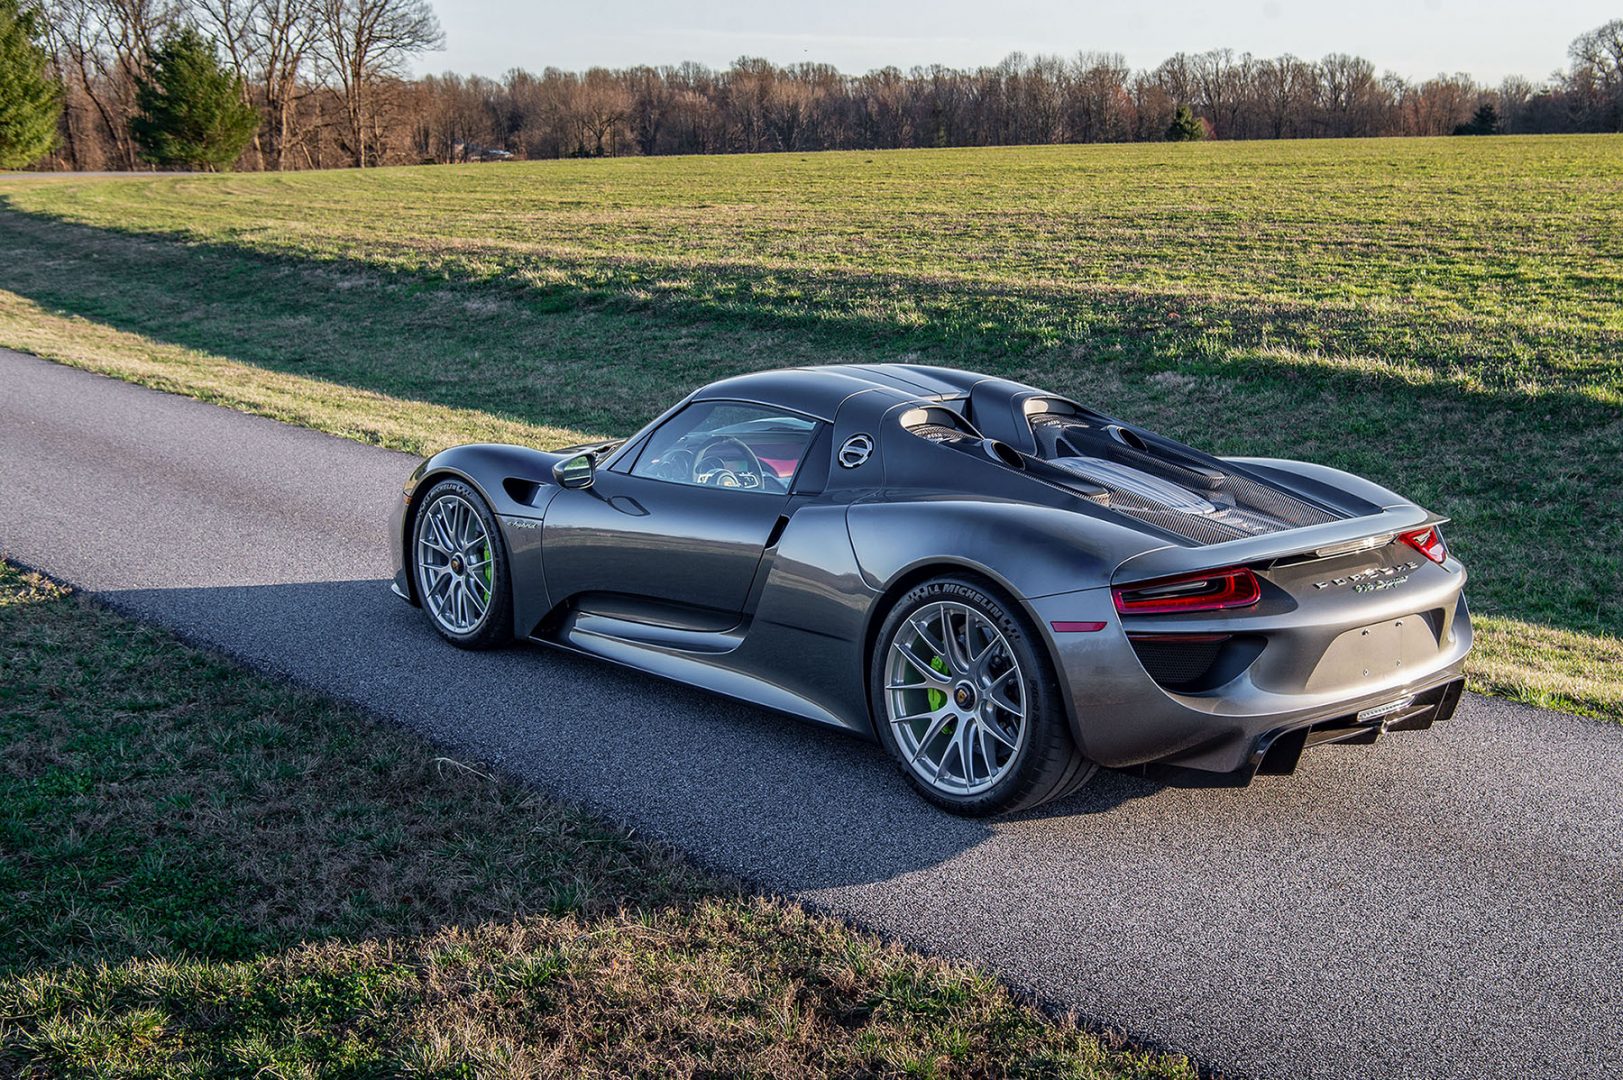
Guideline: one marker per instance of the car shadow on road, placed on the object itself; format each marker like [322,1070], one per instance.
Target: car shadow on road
[739,788]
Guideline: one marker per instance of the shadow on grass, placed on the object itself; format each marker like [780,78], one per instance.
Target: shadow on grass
[447,333]
[1437,412]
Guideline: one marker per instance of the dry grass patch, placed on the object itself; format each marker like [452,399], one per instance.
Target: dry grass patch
[363,415]
[1548,667]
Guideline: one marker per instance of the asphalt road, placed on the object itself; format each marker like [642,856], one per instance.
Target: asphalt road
[1445,903]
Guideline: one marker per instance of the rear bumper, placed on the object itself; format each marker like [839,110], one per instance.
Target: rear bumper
[1122,717]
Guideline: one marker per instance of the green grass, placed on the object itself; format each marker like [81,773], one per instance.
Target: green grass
[1445,316]
[204,872]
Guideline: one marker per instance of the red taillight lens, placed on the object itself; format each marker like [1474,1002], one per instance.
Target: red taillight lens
[1429,542]
[1211,590]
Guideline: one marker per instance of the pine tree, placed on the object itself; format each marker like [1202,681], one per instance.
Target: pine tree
[1186,126]
[1485,122]
[189,110]
[30,100]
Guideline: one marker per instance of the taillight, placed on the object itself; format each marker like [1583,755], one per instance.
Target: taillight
[1210,590]
[1429,542]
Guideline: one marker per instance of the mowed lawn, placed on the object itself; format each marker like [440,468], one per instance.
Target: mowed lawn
[1445,316]
[204,872]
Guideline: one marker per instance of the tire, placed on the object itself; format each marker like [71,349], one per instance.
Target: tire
[932,710]
[458,559]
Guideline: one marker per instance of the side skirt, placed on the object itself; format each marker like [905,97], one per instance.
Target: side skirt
[704,669]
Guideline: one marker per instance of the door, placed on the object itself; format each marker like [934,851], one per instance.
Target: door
[677,537]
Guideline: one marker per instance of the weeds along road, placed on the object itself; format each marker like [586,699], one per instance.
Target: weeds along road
[1444,903]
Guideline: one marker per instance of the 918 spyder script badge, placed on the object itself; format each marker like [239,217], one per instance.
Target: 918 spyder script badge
[1381,577]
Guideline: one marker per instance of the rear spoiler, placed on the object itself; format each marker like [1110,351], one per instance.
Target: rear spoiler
[1175,559]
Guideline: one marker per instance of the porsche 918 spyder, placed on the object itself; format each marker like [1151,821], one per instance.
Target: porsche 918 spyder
[1006,588]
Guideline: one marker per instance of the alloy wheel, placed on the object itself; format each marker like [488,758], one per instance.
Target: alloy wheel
[455,564]
[955,698]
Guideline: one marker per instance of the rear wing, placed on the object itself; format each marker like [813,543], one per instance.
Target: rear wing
[1173,560]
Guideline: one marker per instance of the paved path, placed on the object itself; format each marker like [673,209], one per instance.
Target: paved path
[1446,903]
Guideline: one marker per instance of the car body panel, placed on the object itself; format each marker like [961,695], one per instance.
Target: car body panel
[776,596]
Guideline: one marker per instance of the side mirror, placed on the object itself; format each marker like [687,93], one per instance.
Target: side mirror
[575,472]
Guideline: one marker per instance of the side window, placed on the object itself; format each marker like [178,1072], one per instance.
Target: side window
[728,444]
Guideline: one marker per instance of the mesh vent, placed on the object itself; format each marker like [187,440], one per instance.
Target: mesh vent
[937,432]
[1201,529]
[1177,663]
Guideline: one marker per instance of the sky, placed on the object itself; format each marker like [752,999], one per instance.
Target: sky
[1414,38]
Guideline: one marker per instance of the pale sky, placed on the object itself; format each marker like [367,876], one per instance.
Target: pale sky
[1415,38]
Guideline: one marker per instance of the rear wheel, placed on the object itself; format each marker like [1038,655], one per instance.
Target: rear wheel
[968,703]
[460,567]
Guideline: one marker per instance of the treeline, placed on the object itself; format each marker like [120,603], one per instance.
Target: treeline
[326,78]
[1093,97]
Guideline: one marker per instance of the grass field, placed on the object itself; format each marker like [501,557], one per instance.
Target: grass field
[1445,316]
[206,873]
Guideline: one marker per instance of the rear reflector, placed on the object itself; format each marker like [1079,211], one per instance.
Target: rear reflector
[1077,627]
[1210,590]
[1429,542]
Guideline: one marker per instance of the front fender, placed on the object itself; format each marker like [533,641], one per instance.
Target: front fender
[516,483]
[514,480]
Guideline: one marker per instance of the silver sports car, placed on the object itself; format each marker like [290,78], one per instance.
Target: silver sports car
[1005,587]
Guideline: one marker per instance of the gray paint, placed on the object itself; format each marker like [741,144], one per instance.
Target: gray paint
[680,581]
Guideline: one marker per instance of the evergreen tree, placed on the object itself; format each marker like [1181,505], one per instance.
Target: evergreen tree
[189,109]
[1186,126]
[1485,122]
[30,100]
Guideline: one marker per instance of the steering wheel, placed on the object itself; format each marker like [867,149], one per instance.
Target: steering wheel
[751,475]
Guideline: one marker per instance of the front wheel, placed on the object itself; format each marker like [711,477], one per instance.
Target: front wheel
[967,702]
[460,566]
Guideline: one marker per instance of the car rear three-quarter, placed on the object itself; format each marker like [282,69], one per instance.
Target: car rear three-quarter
[1004,587]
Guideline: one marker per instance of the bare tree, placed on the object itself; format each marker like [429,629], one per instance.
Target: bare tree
[651,95]
[1099,101]
[365,42]
[1515,93]
[105,45]
[232,24]
[1285,89]
[1597,75]
[1221,84]
[602,104]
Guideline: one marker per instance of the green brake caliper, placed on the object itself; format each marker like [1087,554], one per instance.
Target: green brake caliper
[938,698]
[490,569]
